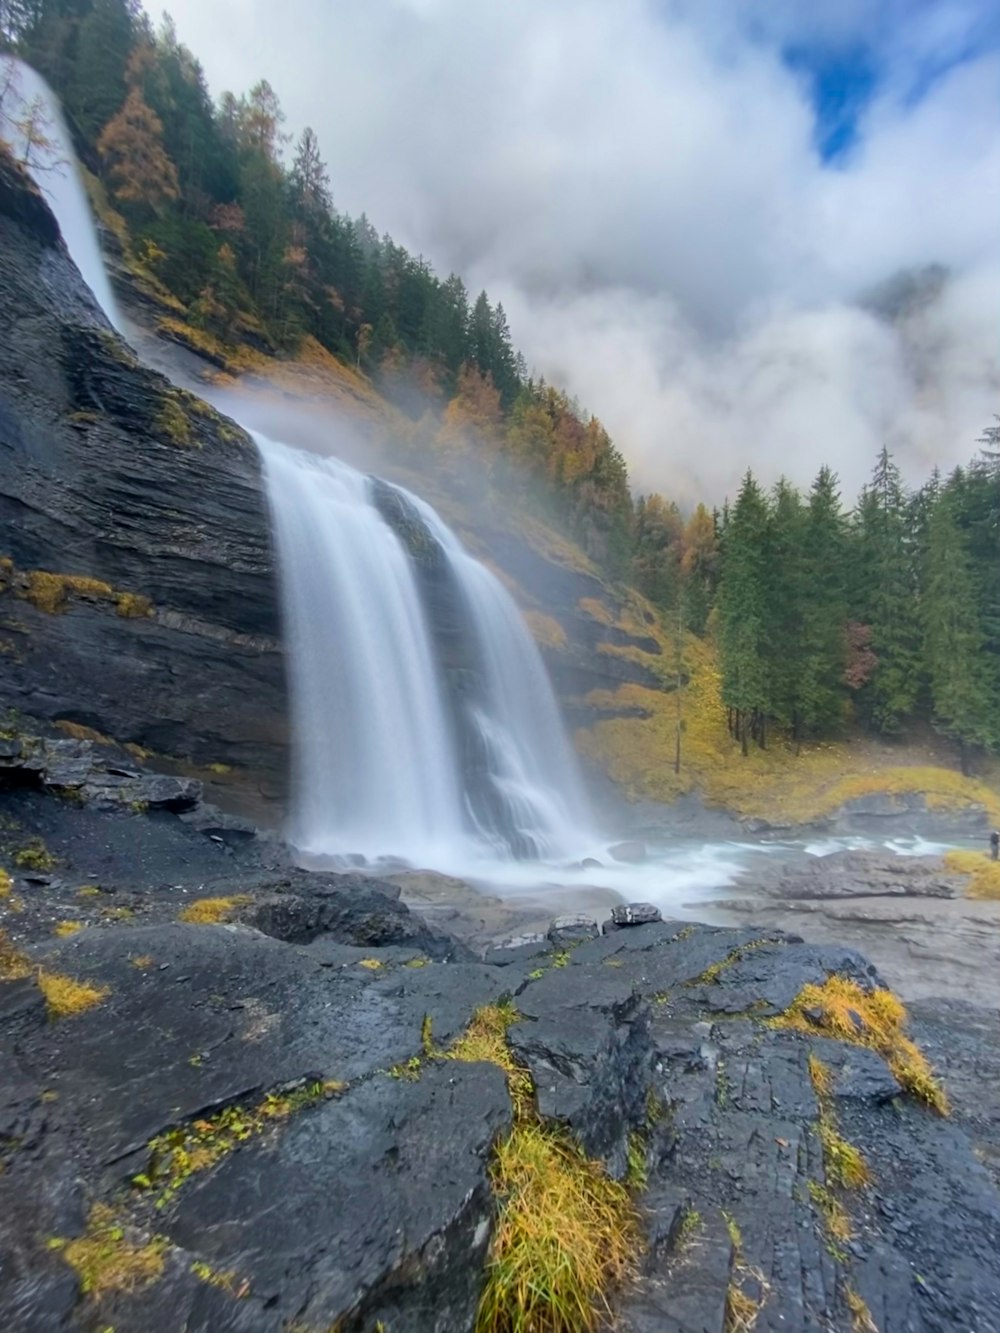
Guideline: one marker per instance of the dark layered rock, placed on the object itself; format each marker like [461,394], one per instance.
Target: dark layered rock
[368,1199]
[109,474]
[578,666]
[350,909]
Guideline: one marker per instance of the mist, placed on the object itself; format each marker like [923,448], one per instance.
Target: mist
[646,188]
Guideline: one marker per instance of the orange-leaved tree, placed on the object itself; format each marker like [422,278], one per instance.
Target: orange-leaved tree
[131,148]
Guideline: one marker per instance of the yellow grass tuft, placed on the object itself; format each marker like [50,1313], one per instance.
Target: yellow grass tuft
[50,592]
[566,1232]
[840,1008]
[210,911]
[107,1260]
[835,1216]
[485,1040]
[821,1077]
[66,928]
[983,873]
[172,422]
[14,965]
[66,997]
[133,606]
[35,856]
[845,1166]
[596,610]
[741,1310]
[861,1316]
[565,1236]
[233,358]
[6,885]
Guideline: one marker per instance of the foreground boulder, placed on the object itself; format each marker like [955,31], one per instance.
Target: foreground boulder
[230,1103]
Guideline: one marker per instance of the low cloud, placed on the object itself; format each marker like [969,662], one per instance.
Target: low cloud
[640,184]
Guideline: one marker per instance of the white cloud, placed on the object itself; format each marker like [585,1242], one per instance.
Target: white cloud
[639,183]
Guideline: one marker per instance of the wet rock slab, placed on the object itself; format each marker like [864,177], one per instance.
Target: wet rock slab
[864,875]
[372,1201]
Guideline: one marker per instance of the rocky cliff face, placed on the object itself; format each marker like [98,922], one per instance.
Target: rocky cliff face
[137,590]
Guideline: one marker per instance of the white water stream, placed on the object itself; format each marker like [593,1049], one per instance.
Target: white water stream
[57,175]
[376,767]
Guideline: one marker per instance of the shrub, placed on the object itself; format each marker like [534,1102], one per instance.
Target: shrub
[66,997]
[210,911]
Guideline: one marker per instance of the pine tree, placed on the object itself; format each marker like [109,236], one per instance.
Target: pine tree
[824,609]
[310,181]
[886,598]
[173,84]
[784,602]
[16,19]
[445,330]
[953,638]
[743,613]
[104,41]
[975,494]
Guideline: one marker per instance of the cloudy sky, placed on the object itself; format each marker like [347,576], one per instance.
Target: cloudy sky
[685,205]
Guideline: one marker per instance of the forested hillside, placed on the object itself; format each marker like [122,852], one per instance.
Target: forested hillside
[824,617]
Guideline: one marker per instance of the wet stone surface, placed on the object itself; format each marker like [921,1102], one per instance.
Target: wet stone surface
[366,1195]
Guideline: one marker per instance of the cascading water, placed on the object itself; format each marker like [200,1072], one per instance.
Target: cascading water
[527,758]
[403,744]
[406,745]
[56,173]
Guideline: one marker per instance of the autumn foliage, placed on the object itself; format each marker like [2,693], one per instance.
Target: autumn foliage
[137,167]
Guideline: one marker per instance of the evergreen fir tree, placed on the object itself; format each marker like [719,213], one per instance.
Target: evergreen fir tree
[953,639]
[886,598]
[743,613]
[784,598]
[824,609]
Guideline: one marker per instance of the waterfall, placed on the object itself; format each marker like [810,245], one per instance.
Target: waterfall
[56,173]
[424,725]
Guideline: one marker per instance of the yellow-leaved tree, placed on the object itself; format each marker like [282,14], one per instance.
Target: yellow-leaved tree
[137,165]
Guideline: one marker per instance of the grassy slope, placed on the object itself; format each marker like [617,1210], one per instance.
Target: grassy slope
[776,784]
